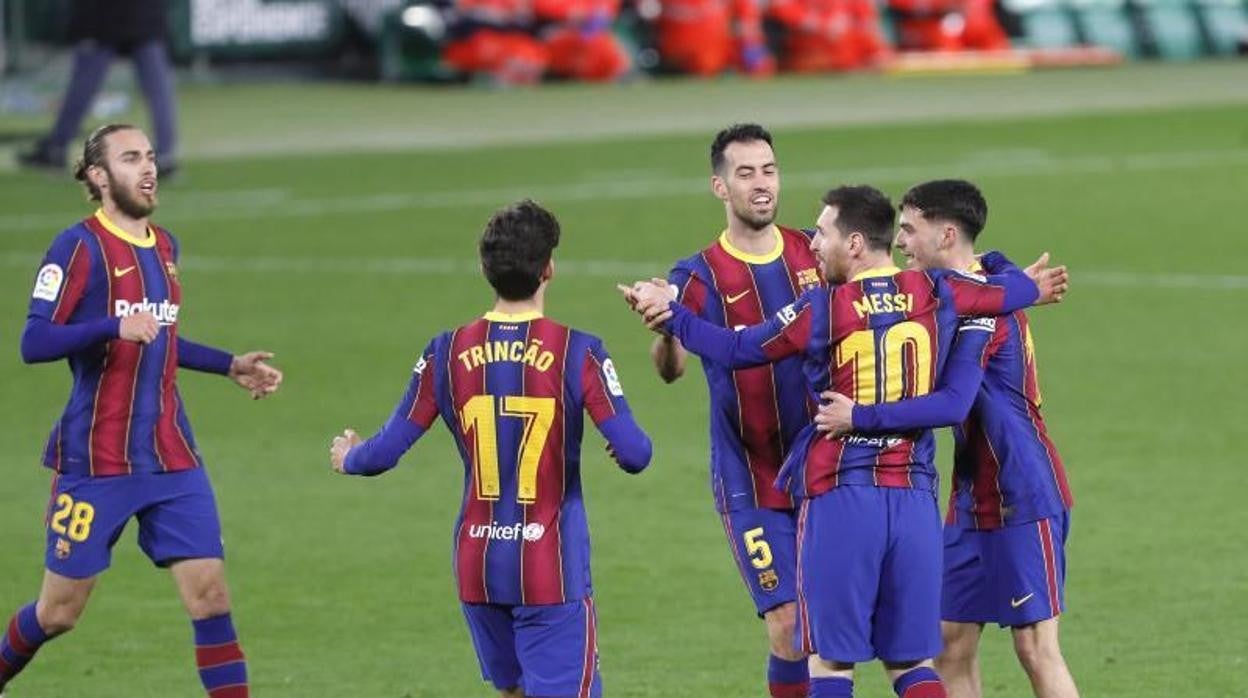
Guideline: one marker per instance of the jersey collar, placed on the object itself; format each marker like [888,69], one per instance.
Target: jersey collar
[495,316]
[872,273]
[748,258]
[113,228]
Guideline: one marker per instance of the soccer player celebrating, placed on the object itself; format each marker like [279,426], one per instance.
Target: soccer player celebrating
[107,298]
[750,272]
[1009,511]
[511,386]
[869,530]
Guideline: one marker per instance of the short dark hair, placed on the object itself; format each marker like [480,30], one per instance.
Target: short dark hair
[516,246]
[93,155]
[736,133]
[953,200]
[863,209]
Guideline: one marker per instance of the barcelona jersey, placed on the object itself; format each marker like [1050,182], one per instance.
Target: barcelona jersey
[882,337]
[755,412]
[124,413]
[513,390]
[1006,469]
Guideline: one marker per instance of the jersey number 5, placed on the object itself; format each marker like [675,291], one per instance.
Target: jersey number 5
[479,416]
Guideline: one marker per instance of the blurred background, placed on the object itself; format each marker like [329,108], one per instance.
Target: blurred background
[328,166]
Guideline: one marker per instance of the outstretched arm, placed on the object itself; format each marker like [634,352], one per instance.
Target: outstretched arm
[411,418]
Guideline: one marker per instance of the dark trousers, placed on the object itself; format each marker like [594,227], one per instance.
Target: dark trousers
[155,75]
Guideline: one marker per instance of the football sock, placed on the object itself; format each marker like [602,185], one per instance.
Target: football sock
[20,642]
[787,679]
[222,666]
[834,687]
[922,682]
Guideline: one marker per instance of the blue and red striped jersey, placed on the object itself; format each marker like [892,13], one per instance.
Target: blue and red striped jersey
[513,390]
[882,337]
[1006,469]
[124,413]
[756,412]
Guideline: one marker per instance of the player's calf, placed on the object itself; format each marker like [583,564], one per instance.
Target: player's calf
[22,638]
[919,682]
[787,673]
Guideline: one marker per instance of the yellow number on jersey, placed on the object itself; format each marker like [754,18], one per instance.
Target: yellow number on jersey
[758,549]
[478,416]
[79,514]
[860,349]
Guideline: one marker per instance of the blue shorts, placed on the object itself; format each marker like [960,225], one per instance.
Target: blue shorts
[764,546]
[176,511]
[549,651]
[1011,576]
[869,575]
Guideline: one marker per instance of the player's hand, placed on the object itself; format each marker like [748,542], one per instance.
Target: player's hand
[251,372]
[1053,282]
[340,447]
[140,327]
[653,299]
[835,416]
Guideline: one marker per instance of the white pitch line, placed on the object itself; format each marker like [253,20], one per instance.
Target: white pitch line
[281,203]
[589,268]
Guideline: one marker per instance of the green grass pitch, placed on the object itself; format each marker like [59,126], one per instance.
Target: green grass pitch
[345,261]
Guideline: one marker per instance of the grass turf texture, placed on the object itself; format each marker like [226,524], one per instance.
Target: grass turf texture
[346,264]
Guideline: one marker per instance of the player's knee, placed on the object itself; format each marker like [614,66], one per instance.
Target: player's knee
[781,630]
[1037,651]
[58,618]
[208,601]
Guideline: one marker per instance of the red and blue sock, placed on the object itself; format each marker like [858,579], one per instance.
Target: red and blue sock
[831,687]
[922,682]
[222,666]
[787,679]
[23,638]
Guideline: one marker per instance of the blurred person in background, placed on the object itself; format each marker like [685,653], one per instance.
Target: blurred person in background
[495,38]
[103,30]
[707,37]
[823,35]
[949,25]
[579,40]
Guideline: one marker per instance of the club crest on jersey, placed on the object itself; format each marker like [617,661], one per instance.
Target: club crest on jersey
[48,282]
[768,580]
[613,378]
[172,269]
[62,549]
[808,278]
[166,313]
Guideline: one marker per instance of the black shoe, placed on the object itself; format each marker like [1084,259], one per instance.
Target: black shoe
[44,156]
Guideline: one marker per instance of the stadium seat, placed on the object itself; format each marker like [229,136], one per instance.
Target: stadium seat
[1169,29]
[1105,23]
[1222,24]
[1046,24]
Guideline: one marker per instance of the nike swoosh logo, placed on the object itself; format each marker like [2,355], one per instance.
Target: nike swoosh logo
[119,272]
[739,296]
[1015,603]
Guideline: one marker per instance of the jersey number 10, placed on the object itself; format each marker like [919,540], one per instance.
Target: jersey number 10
[905,340]
[479,416]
